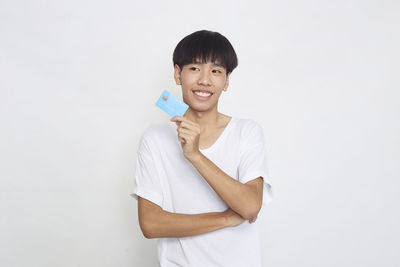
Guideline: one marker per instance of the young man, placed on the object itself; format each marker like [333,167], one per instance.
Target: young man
[202,178]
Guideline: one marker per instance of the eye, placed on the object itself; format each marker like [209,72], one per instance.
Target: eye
[194,68]
[217,71]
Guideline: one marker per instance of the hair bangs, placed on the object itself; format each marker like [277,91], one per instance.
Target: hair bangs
[204,47]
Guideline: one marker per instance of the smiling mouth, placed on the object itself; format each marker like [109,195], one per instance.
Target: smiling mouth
[202,94]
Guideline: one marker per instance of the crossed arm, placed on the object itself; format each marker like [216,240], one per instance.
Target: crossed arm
[244,202]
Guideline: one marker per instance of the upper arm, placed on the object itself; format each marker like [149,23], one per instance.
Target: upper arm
[148,183]
[147,211]
[257,186]
[253,163]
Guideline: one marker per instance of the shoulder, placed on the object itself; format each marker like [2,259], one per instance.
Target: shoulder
[156,130]
[250,131]
[156,133]
[247,126]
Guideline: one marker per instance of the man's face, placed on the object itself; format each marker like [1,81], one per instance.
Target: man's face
[198,81]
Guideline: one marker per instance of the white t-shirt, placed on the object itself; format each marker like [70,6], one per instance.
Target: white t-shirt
[164,176]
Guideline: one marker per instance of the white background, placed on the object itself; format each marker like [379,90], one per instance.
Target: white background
[79,80]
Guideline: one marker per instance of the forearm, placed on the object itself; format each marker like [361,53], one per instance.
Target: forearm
[238,196]
[168,224]
[156,222]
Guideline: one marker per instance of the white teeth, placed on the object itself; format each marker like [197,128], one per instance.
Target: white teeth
[202,94]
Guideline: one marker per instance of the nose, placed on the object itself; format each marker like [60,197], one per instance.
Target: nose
[204,78]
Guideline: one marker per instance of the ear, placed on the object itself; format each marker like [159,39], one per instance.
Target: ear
[177,74]
[226,82]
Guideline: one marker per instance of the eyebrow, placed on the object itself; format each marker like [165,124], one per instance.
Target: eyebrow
[218,65]
[214,64]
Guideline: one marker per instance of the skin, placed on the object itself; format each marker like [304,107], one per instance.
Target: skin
[200,126]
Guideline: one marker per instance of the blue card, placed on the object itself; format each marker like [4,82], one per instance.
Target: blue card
[171,104]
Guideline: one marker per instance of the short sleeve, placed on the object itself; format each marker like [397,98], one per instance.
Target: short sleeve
[253,159]
[147,181]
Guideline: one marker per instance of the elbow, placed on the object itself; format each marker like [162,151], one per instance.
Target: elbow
[147,233]
[251,212]
[147,229]
[149,218]
[249,215]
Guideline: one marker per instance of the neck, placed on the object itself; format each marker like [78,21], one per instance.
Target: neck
[207,120]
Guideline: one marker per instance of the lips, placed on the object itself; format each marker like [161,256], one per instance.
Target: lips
[203,91]
[202,98]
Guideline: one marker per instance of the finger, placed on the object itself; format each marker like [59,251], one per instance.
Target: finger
[187,125]
[194,124]
[187,131]
[187,137]
[176,118]
[194,128]
[185,120]
[181,139]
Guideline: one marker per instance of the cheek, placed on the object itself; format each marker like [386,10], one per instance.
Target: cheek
[221,83]
[187,81]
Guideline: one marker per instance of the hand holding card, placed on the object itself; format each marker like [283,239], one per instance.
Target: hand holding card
[171,104]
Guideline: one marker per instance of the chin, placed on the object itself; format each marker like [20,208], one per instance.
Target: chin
[201,108]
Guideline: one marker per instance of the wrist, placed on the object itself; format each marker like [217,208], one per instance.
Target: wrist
[226,219]
[194,156]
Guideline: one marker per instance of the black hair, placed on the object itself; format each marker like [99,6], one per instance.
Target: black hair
[205,46]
